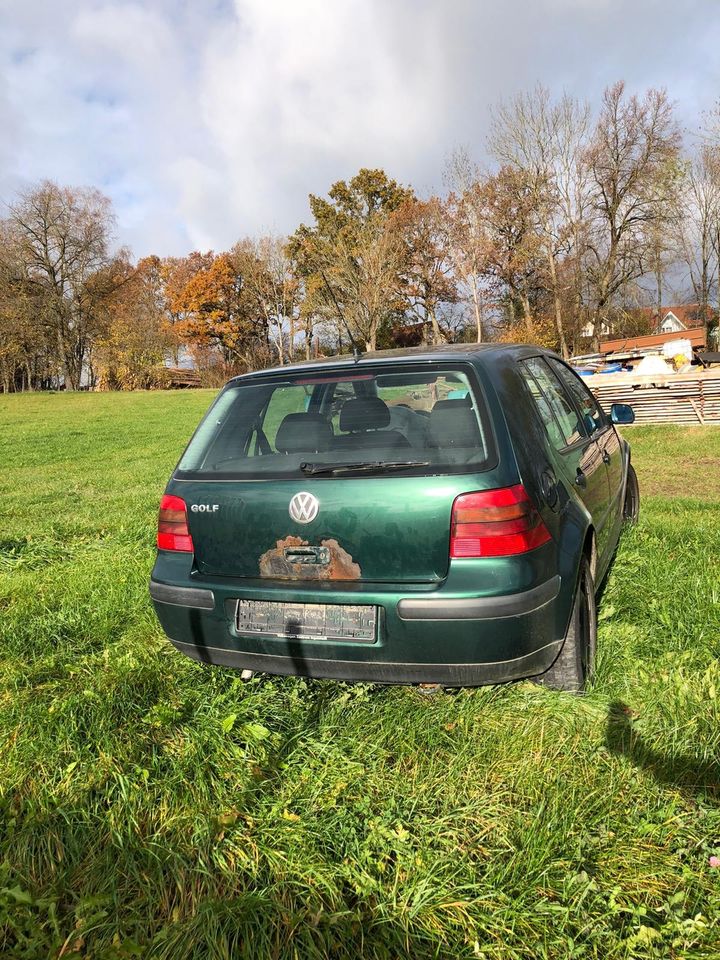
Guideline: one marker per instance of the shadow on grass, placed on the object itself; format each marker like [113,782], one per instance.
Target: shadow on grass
[681,770]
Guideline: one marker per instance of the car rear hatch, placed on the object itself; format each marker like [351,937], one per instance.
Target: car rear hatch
[344,475]
[390,528]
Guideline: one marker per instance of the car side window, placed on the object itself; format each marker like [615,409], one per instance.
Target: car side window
[593,416]
[554,406]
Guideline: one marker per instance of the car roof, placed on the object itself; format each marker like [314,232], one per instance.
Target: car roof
[446,351]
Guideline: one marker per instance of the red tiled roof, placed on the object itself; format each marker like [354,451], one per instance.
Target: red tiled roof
[696,336]
[688,314]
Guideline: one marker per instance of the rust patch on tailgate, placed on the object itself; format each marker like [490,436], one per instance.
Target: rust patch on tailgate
[274,563]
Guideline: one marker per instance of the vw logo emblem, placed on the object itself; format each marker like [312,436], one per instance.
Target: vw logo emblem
[304,507]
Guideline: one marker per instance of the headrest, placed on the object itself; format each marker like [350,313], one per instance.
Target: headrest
[368,413]
[303,432]
[453,423]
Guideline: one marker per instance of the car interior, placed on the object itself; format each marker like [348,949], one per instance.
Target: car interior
[368,424]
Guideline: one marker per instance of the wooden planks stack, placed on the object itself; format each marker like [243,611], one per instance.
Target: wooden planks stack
[665,398]
[180,377]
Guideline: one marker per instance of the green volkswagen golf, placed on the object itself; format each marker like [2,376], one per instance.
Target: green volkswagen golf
[431,515]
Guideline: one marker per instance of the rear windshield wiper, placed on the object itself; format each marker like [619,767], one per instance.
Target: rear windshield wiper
[365,466]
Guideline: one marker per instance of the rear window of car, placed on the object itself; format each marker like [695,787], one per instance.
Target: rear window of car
[398,419]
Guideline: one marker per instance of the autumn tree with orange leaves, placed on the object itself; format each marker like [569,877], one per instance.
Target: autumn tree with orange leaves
[427,279]
[217,311]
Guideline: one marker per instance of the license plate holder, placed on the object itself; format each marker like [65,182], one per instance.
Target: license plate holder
[353,623]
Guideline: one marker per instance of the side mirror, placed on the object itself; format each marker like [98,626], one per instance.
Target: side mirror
[622,413]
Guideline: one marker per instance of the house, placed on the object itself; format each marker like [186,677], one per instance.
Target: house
[671,324]
[671,319]
[678,318]
[604,329]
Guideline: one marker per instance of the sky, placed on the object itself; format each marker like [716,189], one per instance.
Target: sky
[211,120]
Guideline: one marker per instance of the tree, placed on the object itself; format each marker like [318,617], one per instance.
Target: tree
[368,194]
[468,234]
[61,240]
[130,353]
[632,166]
[427,279]
[273,287]
[219,314]
[544,140]
[352,223]
[361,276]
[174,274]
[512,258]
[25,355]
[700,224]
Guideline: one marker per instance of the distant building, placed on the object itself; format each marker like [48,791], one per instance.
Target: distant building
[671,319]
[604,329]
[678,318]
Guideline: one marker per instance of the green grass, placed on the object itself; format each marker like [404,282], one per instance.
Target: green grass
[154,807]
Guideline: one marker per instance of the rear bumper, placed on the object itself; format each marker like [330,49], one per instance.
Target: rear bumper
[432,608]
[192,597]
[385,671]
[479,608]
[442,633]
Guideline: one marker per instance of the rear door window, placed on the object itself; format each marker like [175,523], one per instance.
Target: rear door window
[593,417]
[557,412]
[419,420]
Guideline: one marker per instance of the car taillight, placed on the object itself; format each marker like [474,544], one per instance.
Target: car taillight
[495,523]
[173,533]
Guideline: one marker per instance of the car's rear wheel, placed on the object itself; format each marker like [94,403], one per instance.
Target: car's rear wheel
[574,665]
[631,506]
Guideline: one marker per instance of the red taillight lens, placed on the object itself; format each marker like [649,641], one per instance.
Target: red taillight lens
[173,533]
[495,523]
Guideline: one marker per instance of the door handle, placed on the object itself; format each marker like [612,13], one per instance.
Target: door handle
[606,457]
[580,478]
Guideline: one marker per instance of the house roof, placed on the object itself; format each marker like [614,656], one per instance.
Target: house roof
[689,314]
[696,335]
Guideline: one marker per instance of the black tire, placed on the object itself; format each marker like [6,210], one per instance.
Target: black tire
[574,664]
[631,506]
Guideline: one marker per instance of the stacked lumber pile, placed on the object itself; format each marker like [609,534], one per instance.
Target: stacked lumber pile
[180,378]
[666,398]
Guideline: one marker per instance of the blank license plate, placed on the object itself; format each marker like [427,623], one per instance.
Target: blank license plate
[307,621]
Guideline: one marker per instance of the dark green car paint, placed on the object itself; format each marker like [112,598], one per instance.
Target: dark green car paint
[397,529]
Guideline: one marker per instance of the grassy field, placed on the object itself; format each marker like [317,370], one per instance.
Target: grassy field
[154,807]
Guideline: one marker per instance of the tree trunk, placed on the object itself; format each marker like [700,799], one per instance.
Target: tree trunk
[717,249]
[280,345]
[557,307]
[291,345]
[477,310]
[527,314]
[437,335]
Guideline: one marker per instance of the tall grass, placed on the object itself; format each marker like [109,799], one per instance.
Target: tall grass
[154,807]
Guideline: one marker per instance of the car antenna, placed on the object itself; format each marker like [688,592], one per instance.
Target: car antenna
[356,351]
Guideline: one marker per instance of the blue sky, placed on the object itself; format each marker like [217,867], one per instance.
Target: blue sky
[208,121]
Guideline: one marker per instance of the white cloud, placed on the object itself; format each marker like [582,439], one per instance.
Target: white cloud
[207,121]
